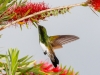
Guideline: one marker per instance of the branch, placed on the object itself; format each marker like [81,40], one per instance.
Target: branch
[44,11]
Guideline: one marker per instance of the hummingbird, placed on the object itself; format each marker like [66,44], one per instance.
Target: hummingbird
[50,43]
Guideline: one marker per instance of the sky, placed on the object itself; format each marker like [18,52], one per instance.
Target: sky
[82,55]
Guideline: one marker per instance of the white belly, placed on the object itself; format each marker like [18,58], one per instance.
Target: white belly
[44,47]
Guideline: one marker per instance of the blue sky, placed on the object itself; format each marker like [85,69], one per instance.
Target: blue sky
[83,55]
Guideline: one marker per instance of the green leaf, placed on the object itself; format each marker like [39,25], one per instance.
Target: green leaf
[21,27]
[63,69]
[8,67]
[2,10]
[22,59]
[1,1]
[68,70]
[34,24]
[77,73]
[14,68]
[1,65]
[12,61]
[2,56]
[4,4]
[20,2]
[26,25]
[12,3]
[25,69]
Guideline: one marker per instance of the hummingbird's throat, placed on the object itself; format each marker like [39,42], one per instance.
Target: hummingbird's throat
[44,48]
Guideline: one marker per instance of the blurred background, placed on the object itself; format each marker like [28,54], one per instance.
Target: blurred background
[83,55]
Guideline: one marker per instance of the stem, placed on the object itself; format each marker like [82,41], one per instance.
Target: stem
[34,14]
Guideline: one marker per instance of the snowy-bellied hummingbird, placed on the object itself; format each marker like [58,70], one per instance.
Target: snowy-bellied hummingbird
[49,43]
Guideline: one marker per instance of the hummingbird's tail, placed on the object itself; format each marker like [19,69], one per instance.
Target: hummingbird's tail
[54,59]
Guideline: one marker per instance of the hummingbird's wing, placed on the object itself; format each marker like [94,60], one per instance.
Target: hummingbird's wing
[59,40]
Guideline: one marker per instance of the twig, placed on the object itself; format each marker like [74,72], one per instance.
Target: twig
[34,14]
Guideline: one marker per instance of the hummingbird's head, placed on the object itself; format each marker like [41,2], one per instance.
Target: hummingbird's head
[41,29]
[42,33]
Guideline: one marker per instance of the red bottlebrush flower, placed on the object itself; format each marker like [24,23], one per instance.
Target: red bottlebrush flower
[46,67]
[49,69]
[57,69]
[95,4]
[27,9]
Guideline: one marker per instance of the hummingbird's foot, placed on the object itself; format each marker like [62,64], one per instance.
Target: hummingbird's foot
[45,52]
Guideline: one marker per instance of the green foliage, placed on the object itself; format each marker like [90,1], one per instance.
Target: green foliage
[4,13]
[13,65]
[12,61]
[21,2]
